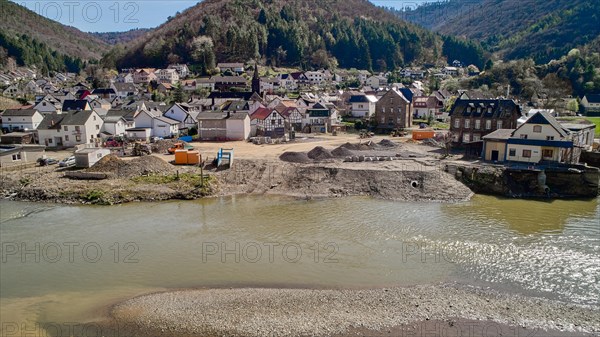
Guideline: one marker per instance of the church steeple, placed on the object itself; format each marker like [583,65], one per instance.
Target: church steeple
[256,80]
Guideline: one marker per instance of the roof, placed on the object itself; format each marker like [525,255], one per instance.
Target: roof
[230,65]
[262,113]
[19,112]
[577,127]
[129,87]
[500,108]
[167,120]
[54,120]
[227,95]
[593,98]
[359,99]
[113,119]
[103,91]
[74,104]
[543,117]
[500,134]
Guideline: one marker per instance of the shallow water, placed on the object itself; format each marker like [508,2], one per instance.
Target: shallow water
[65,263]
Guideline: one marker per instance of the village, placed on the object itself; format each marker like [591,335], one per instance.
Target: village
[249,118]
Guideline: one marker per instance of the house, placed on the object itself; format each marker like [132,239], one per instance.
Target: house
[189,85]
[450,71]
[144,76]
[75,104]
[362,106]
[31,88]
[12,91]
[314,77]
[182,69]
[167,76]
[223,126]
[226,83]
[164,88]
[268,123]
[124,78]
[21,119]
[183,113]
[159,125]
[425,106]
[233,67]
[125,89]
[106,93]
[100,104]
[48,105]
[87,157]
[320,118]
[541,139]
[470,120]
[287,82]
[204,82]
[292,116]
[115,125]
[70,128]
[393,111]
[591,104]
[376,81]
[19,154]
[300,79]
[127,115]
[219,98]
[362,76]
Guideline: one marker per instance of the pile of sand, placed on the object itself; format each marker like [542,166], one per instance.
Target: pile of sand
[295,157]
[387,143]
[319,153]
[342,152]
[136,167]
[359,147]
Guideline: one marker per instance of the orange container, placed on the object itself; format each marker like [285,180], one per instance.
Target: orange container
[423,134]
[193,157]
[181,157]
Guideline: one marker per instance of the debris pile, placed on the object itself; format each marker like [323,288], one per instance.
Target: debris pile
[132,168]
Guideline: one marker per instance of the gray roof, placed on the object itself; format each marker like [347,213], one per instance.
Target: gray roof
[129,87]
[55,121]
[167,120]
[19,112]
[500,134]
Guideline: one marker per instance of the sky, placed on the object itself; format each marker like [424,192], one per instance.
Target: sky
[122,15]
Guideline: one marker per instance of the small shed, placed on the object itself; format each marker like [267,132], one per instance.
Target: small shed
[17,138]
[87,157]
[139,134]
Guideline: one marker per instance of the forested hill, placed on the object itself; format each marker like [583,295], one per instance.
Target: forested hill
[35,40]
[113,38]
[303,33]
[541,30]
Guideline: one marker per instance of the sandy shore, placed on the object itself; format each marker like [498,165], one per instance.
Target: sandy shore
[429,310]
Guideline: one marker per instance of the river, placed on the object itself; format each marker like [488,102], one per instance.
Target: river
[65,263]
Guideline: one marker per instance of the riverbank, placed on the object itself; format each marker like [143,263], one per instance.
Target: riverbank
[386,170]
[375,312]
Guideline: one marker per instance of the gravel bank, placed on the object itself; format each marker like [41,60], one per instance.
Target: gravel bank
[303,312]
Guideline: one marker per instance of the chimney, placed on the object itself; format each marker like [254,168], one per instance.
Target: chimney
[228,113]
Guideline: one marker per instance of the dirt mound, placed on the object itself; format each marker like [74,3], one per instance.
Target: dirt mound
[387,143]
[369,145]
[342,152]
[161,146]
[295,157]
[319,153]
[136,167]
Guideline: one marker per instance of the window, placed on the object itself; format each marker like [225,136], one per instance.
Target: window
[488,124]
[550,138]
[97,127]
[66,128]
[537,128]
[499,125]
[547,153]
[76,127]
[272,122]
[279,121]
[16,157]
[457,123]
[77,138]
[66,138]
[9,119]
[476,138]
[526,153]
[467,123]
[466,138]
[469,109]
[94,117]
[477,124]
[523,137]
[49,140]
[512,152]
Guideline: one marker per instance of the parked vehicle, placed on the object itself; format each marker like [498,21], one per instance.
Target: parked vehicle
[179,146]
[67,162]
[47,161]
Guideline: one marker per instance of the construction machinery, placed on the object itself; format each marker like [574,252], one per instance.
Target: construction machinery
[179,146]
